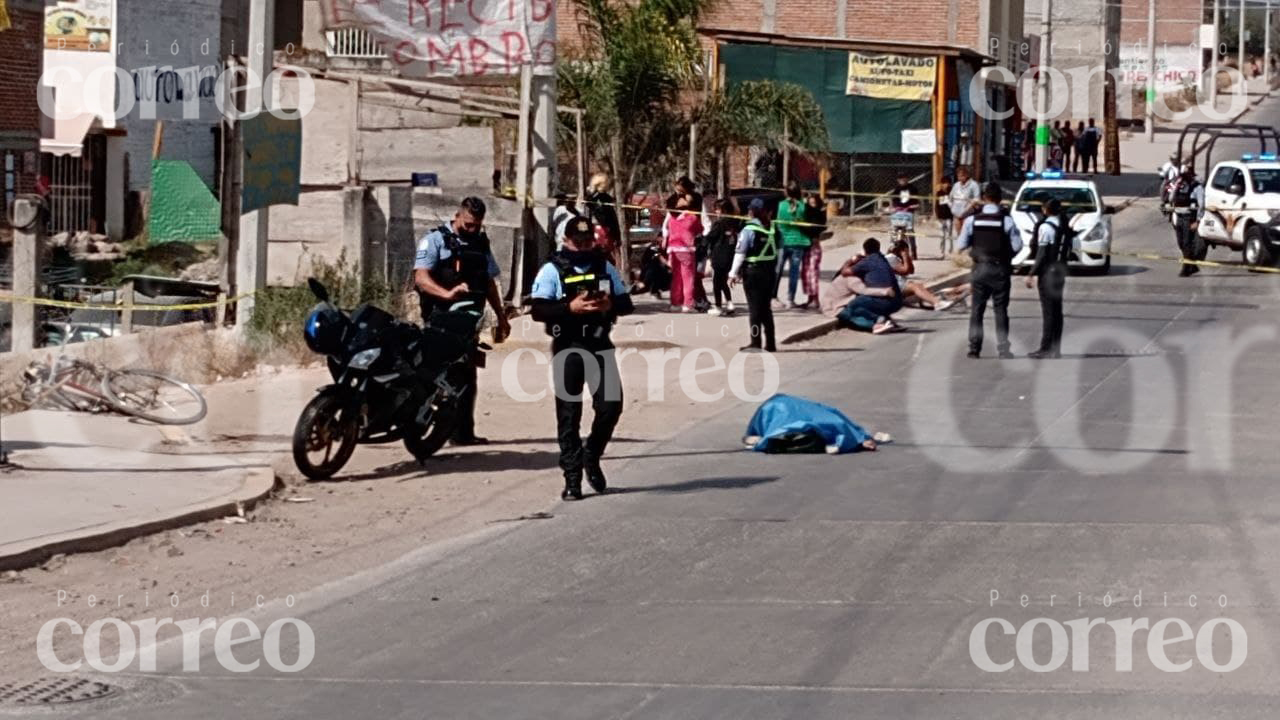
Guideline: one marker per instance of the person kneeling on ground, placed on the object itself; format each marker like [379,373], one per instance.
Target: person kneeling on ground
[871,310]
[899,258]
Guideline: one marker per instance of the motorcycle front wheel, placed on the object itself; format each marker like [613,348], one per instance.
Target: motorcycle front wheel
[325,436]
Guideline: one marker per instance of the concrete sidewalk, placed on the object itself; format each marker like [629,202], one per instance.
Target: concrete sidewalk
[81,483]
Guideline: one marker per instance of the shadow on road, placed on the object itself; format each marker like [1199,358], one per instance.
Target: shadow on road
[699,485]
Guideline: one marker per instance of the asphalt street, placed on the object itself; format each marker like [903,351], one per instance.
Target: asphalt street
[719,583]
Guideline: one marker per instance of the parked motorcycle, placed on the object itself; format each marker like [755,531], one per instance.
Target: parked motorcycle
[392,382]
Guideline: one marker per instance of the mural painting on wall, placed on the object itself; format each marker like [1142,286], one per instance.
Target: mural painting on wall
[78,25]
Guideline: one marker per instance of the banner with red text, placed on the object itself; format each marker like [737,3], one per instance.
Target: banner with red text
[455,38]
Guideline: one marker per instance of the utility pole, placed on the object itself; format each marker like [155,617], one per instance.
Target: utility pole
[1042,87]
[1240,44]
[251,250]
[1151,70]
[1266,50]
[1213,59]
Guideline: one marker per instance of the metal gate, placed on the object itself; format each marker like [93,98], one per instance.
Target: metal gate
[70,193]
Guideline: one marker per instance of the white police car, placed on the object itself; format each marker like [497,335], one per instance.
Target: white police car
[1242,203]
[1085,212]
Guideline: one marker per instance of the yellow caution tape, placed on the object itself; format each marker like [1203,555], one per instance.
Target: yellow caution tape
[65,305]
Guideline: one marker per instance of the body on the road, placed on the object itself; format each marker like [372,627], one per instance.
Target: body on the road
[1052,247]
[578,295]
[454,263]
[993,239]
[755,263]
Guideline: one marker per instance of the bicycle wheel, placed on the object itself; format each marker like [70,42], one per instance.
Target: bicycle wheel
[153,396]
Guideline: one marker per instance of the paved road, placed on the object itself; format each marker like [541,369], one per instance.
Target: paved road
[724,584]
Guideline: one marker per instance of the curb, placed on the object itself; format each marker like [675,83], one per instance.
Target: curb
[828,326]
[259,482]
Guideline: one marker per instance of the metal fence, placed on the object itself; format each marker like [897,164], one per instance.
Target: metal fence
[70,194]
[353,43]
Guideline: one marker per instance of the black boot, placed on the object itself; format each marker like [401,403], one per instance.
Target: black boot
[596,478]
[572,487]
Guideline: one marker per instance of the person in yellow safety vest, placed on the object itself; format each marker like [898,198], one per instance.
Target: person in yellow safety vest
[755,263]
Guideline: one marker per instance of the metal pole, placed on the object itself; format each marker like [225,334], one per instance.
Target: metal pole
[1240,44]
[582,159]
[1042,87]
[1266,50]
[522,184]
[1151,70]
[1213,55]
[693,152]
[786,151]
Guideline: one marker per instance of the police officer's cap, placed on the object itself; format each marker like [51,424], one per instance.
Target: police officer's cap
[579,228]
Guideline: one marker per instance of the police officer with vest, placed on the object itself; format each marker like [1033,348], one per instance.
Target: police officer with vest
[1188,208]
[993,240]
[755,262]
[579,295]
[1052,250]
[454,264]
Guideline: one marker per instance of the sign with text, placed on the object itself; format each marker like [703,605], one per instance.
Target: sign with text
[272,159]
[892,77]
[455,38]
[78,25]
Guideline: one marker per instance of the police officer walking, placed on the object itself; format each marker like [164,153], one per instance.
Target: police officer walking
[578,295]
[1188,207]
[1052,250]
[993,239]
[755,262]
[454,264]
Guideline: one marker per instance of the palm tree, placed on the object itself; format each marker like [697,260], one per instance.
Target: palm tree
[636,78]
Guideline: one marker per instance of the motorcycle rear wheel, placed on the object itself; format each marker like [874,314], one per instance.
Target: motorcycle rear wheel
[327,420]
[428,439]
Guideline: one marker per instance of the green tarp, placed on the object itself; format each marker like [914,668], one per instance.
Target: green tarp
[856,124]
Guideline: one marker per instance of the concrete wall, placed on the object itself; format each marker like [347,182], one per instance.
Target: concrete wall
[150,33]
[1086,41]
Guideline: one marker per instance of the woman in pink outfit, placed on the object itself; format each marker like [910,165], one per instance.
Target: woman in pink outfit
[683,229]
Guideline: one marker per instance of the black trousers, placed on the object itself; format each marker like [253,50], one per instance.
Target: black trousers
[720,285]
[466,424]
[1053,286]
[1189,243]
[575,367]
[991,283]
[758,280]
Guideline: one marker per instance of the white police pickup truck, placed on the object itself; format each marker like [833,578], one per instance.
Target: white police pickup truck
[1088,217]
[1242,199]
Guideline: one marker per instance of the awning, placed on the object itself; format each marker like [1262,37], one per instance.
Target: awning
[68,135]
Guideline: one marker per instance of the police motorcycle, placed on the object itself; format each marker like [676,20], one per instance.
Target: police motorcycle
[392,381]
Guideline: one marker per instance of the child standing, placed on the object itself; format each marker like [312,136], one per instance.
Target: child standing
[946,219]
[722,240]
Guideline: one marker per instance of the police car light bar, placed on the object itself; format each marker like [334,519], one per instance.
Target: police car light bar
[1265,157]
[1046,175]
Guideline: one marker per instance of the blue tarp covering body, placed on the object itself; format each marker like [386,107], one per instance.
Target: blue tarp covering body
[783,415]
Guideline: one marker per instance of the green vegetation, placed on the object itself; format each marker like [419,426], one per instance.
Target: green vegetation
[278,312]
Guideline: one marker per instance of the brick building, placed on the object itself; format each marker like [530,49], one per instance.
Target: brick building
[20,121]
[809,42]
[1179,58]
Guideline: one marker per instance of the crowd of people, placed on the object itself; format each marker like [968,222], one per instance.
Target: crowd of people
[1070,150]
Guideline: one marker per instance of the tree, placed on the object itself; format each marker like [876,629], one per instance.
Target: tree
[763,113]
[637,77]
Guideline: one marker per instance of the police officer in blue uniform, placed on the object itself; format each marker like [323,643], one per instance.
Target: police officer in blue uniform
[578,295]
[454,264]
[993,240]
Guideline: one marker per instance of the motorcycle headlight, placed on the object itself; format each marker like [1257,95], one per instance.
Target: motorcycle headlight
[364,359]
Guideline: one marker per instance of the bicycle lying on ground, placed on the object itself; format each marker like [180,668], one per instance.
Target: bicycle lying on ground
[69,384]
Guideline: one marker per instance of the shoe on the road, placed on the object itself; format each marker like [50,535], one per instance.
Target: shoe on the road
[572,488]
[974,354]
[728,308]
[596,478]
[1006,355]
[1040,355]
[749,349]
[944,305]
[468,440]
[714,312]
